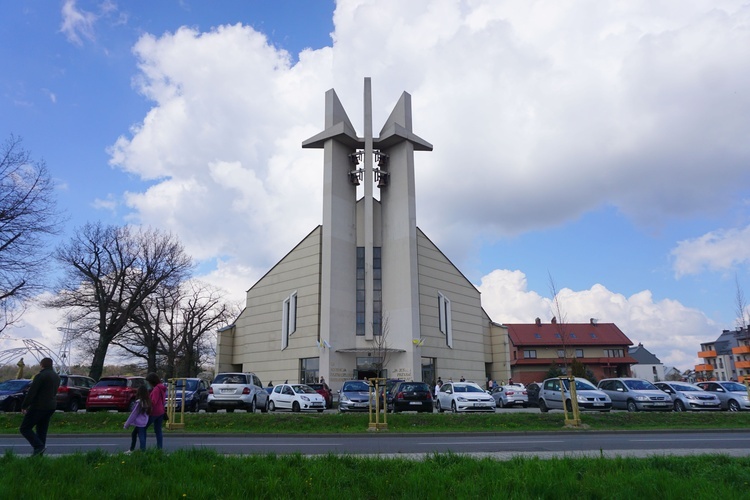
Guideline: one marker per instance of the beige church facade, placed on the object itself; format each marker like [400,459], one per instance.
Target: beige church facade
[366,293]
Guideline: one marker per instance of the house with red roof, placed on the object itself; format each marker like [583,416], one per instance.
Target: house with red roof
[535,347]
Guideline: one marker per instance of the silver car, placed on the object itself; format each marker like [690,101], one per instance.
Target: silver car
[733,395]
[552,396]
[509,395]
[237,391]
[689,397]
[635,394]
[355,396]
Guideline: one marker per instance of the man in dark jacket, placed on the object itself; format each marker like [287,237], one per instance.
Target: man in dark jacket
[39,405]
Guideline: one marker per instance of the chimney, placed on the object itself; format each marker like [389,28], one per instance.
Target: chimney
[538,322]
[594,321]
[553,320]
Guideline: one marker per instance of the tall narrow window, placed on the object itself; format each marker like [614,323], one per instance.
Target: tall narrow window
[377,292]
[444,318]
[288,319]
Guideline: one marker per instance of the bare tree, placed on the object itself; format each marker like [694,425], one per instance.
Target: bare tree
[109,272]
[172,329]
[559,320]
[381,349]
[28,216]
[743,315]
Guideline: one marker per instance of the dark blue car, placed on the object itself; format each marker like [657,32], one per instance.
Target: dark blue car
[12,393]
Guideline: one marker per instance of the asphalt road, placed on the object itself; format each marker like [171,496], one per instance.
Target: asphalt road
[735,443]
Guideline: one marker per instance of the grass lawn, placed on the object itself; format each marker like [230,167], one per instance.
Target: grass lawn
[334,423]
[206,474]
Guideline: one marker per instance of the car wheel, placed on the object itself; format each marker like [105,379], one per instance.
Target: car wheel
[500,403]
[439,408]
[73,405]
[679,406]
[632,407]
[734,405]
[271,406]
[252,407]
[230,410]
[569,405]
[453,407]
[264,408]
[543,406]
[295,407]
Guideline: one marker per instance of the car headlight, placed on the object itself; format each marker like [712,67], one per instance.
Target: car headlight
[344,398]
[461,398]
[690,396]
[304,398]
[581,399]
[745,398]
[641,398]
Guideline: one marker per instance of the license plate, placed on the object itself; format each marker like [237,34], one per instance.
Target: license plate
[598,404]
[105,396]
[660,404]
[227,391]
[415,403]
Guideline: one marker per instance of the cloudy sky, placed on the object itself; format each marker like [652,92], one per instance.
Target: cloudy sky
[602,146]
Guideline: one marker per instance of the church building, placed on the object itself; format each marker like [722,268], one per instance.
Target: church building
[366,293]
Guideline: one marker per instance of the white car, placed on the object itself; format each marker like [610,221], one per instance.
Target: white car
[464,396]
[296,397]
[555,393]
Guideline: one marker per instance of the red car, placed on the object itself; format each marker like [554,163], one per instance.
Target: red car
[114,393]
[324,391]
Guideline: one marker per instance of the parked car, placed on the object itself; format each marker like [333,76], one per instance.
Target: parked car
[195,392]
[12,393]
[689,397]
[296,397]
[532,391]
[324,391]
[410,396]
[355,396]
[114,393]
[233,391]
[464,396]
[555,392]
[634,394]
[509,395]
[73,392]
[732,395]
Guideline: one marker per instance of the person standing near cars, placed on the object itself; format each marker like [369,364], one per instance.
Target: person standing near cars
[38,407]
[158,401]
[139,418]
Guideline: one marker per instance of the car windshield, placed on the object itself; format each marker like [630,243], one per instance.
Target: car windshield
[355,387]
[303,389]
[734,387]
[685,388]
[581,385]
[14,385]
[191,384]
[640,385]
[112,382]
[467,388]
[317,387]
[229,378]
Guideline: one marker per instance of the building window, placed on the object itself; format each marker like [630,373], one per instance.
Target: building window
[377,292]
[429,368]
[593,335]
[614,353]
[444,319]
[560,353]
[288,319]
[579,353]
[572,335]
[529,354]
[537,336]
[557,336]
[309,368]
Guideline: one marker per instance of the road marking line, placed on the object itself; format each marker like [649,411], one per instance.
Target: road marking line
[688,439]
[492,442]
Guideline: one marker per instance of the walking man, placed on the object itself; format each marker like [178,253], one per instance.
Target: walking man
[38,407]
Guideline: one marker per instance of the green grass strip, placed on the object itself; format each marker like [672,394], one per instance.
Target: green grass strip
[206,474]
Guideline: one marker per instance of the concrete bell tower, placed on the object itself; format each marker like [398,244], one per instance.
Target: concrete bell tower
[369,270]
